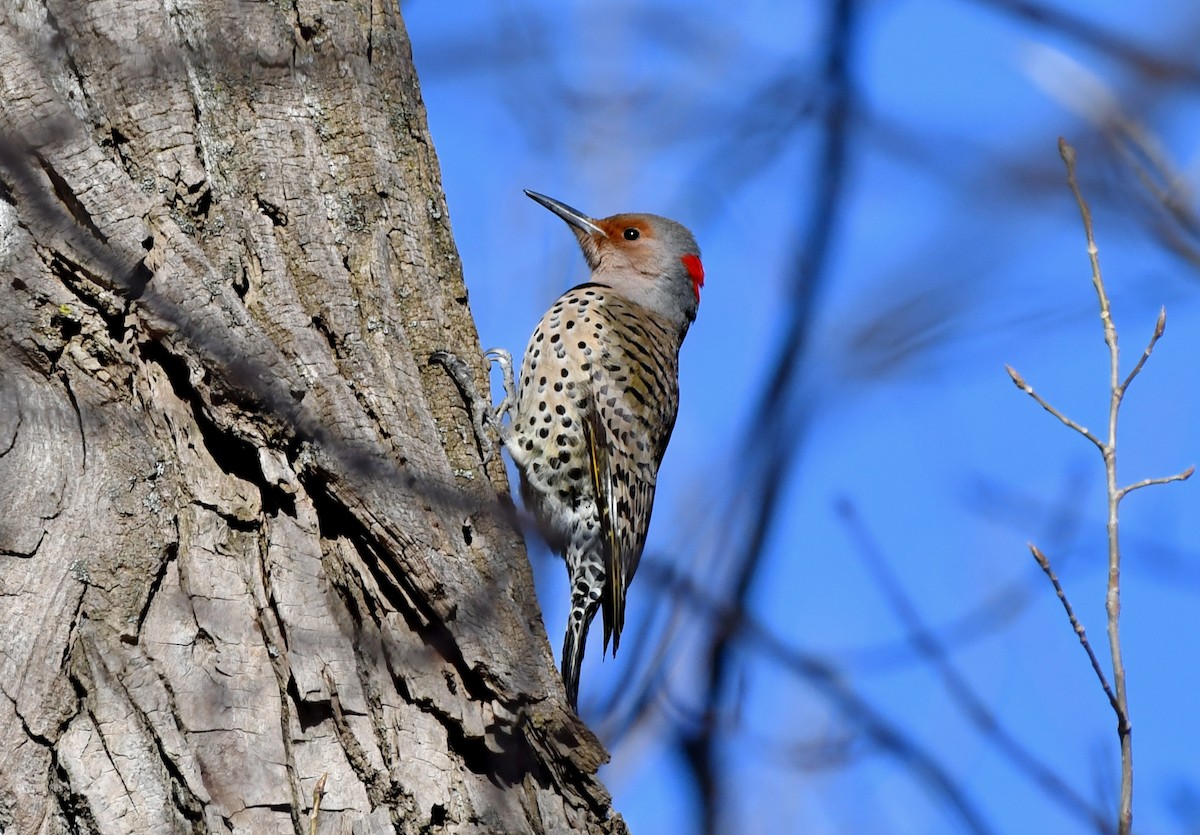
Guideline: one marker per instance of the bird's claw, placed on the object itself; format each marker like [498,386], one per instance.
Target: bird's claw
[503,358]
[482,418]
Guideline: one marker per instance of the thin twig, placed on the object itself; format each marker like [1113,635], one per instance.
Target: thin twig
[1110,330]
[1159,327]
[318,793]
[1075,624]
[1146,482]
[1028,389]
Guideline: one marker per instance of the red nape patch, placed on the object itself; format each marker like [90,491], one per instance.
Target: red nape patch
[696,271]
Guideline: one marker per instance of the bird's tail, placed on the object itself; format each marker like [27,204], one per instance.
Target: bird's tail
[573,646]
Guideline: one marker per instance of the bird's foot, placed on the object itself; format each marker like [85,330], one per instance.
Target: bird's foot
[503,358]
[483,420]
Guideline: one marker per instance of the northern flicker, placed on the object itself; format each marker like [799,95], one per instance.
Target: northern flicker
[593,406]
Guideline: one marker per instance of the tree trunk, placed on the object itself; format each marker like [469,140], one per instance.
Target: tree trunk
[249,546]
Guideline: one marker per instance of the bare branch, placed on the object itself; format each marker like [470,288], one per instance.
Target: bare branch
[1159,327]
[1077,626]
[317,794]
[1146,482]
[1112,599]
[1028,389]
[1110,330]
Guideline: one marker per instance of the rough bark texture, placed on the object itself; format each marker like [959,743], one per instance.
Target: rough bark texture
[247,540]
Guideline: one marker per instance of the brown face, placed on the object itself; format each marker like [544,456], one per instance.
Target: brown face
[630,234]
[625,227]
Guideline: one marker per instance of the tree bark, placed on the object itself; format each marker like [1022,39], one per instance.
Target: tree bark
[248,543]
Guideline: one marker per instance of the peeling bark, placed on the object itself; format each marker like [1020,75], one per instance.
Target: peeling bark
[249,541]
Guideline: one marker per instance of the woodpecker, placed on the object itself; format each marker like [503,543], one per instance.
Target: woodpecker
[593,406]
[590,414]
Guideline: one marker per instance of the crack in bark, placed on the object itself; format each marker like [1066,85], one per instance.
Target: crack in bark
[277,652]
[184,800]
[83,447]
[66,196]
[160,574]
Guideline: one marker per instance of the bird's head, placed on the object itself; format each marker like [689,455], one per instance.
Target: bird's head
[648,259]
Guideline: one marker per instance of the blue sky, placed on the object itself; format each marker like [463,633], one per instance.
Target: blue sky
[957,249]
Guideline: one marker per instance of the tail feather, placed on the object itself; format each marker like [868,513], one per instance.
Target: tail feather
[572,661]
[573,646]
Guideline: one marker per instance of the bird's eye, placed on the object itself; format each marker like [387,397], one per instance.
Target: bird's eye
[632,234]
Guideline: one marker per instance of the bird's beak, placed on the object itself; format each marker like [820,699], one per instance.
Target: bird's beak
[572,216]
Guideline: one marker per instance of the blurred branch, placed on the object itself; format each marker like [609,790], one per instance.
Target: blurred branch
[777,426]
[1102,41]
[1004,601]
[738,625]
[969,702]
[1159,187]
